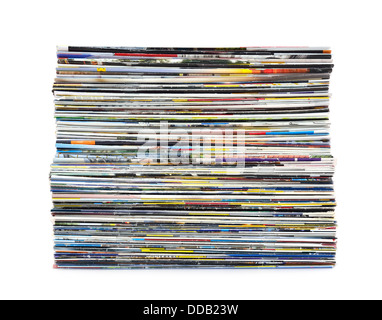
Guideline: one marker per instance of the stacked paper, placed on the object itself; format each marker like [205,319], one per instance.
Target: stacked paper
[193,157]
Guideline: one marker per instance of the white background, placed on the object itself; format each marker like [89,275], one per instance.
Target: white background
[30,31]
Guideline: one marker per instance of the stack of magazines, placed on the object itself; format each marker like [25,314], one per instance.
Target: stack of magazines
[193,158]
